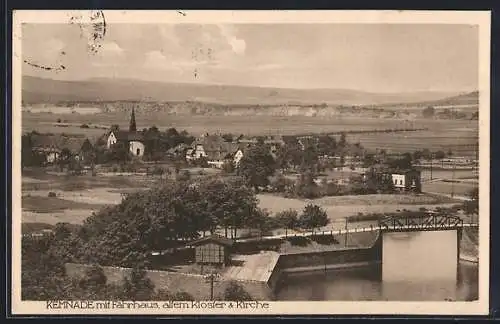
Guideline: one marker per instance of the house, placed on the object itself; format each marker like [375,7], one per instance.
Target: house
[131,138]
[407,180]
[215,150]
[238,156]
[52,145]
[213,250]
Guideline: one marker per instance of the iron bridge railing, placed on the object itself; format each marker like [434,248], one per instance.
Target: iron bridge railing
[421,222]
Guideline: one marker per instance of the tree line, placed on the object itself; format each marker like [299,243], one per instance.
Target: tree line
[44,277]
[165,217]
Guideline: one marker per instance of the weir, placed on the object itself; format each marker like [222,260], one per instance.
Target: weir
[402,249]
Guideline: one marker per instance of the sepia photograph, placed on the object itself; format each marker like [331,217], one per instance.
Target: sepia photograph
[191,162]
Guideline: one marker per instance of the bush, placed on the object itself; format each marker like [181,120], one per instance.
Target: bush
[52,194]
[157,170]
[235,292]
[84,126]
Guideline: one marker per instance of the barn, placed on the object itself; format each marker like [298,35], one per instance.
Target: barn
[213,250]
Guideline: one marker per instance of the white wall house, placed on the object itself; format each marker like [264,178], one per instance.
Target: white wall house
[399,180]
[409,180]
[111,140]
[199,151]
[237,157]
[136,148]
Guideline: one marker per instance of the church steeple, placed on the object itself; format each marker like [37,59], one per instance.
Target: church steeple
[133,126]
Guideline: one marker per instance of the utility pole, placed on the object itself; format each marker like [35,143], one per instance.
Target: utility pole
[345,236]
[432,157]
[211,279]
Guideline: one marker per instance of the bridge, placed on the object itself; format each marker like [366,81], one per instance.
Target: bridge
[429,222]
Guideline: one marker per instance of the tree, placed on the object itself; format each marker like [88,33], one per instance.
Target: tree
[256,166]
[343,141]
[288,219]
[439,155]
[309,159]
[428,112]
[228,137]
[306,187]
[417,155]
[64,158]
[120,153]
[369,160]
[228,204]
[28,156]
[165,217]
[282,184]
[289,155]
[402,163]
[228,167]
[327,145]
[235,292]
[426,154]
[471,206]
[94,276]
[313,216]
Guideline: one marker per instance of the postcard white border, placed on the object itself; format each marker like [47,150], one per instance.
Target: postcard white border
[480,18]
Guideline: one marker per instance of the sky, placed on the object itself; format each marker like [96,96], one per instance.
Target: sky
[368,57]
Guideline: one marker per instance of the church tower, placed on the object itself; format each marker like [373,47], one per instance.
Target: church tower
[132,126]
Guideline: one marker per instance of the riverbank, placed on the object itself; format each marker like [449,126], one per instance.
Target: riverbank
[262,274]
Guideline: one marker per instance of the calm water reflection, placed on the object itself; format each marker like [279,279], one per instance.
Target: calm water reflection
[416,267]
[365,284]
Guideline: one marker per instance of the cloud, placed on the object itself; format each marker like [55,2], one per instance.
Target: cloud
[111,49]
[238,45]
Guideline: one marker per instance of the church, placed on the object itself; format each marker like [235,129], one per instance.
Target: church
[131,138]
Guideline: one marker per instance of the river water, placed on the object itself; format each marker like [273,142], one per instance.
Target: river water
[414,268]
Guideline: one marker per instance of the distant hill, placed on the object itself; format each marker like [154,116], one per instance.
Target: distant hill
[462,100]
[39,90]
[471,98]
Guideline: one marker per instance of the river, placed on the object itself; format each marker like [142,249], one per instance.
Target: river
[416,267]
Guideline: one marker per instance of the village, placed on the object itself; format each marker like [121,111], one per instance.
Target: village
[291,156]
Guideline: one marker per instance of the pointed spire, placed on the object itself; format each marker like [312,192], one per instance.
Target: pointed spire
[133,126]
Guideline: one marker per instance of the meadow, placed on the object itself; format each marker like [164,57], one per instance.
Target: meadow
[74,198]
[459,135]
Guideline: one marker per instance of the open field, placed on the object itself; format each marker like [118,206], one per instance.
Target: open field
[459,135]
[448,175]
[338,208]
[458,188]
[40,204]
[77,197]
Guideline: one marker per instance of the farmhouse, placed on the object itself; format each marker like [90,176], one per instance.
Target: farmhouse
[51,147]
[407,180]
[131,138]
[215,150]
